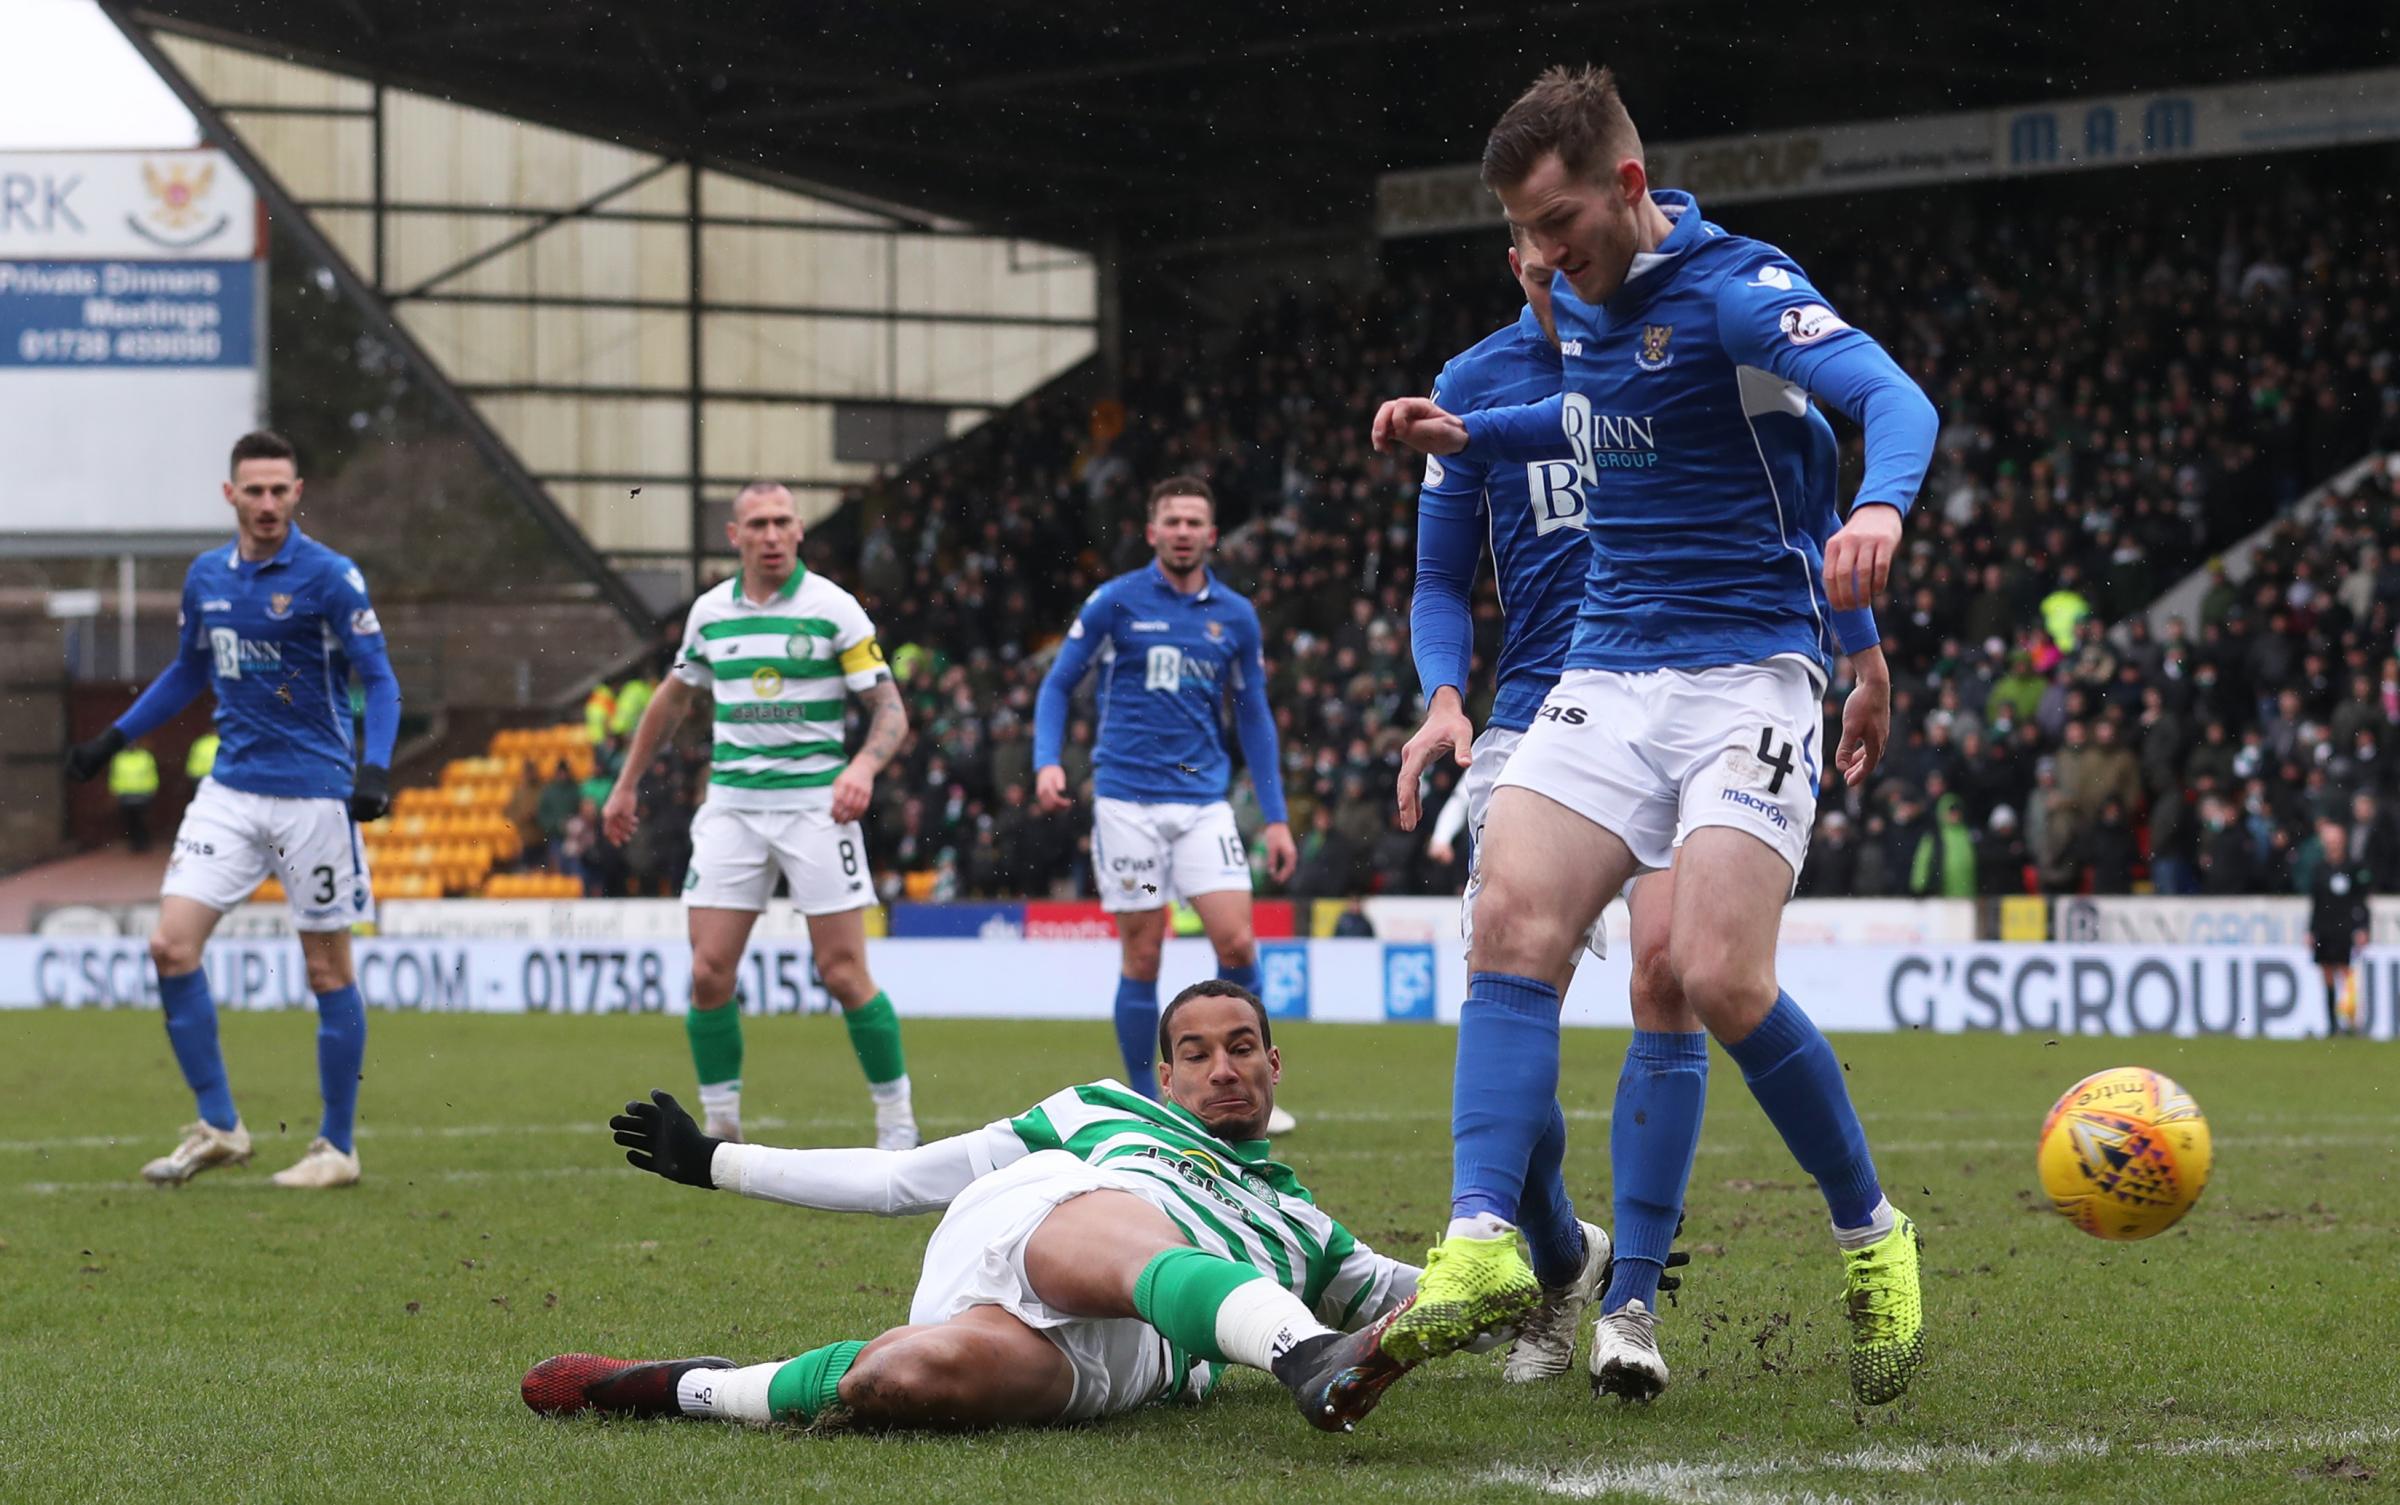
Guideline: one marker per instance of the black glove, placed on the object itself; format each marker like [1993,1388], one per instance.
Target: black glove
[371,793]
[659,1136]
[1675,1261]
[1669,1283]
[86,760]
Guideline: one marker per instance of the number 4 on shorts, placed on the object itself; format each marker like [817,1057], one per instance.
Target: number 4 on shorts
[1779,759]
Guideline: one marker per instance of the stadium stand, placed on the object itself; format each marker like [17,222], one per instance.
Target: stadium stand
[2118,405]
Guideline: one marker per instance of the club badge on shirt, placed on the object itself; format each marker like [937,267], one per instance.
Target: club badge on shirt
[1654,354]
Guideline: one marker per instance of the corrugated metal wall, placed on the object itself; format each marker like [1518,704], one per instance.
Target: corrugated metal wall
[549,276]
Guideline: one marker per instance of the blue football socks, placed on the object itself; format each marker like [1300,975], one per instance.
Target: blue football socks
[1137,1032]
[1797,1079]
[1652,1136]
[1246,975]
[1546,1214]
[1504,1092]
[192,1031]
[341,1051]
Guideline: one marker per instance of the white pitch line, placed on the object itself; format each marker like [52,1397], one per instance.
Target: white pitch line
[594,1126]
[260,1183]
[1717,1483]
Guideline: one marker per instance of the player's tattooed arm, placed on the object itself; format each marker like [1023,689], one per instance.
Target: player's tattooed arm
[887,725]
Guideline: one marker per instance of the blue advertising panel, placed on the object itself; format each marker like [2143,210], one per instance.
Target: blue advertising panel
[129,315]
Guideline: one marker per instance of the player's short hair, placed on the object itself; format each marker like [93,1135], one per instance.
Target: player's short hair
[758,488]
[1213,987]
[1181,486]
[1575,112]
[262,444]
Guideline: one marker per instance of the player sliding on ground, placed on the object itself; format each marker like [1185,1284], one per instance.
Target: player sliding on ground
[775,647]
[1533,519]
[1174,645]
[272,625]
[1100,1252]
[1684,730]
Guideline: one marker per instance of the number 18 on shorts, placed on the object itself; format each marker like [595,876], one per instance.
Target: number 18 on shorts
[1145,856]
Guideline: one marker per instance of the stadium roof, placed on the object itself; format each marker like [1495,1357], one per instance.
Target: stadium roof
[1189,126]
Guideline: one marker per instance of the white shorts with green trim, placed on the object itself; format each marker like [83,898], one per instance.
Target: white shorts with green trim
[737,853]
[977,1258]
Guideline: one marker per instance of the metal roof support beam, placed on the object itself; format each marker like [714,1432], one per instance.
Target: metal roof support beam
[546,223]
[570,539]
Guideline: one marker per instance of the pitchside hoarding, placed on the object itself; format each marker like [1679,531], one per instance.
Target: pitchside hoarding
[132,349]
[2061,991]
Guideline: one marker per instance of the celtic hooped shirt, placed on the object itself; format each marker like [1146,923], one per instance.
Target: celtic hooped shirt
[779,672]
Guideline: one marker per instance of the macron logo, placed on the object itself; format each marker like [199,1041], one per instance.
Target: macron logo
[1767,808]
[1772,276]
[1570,347]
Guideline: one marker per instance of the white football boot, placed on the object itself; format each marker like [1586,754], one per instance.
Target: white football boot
[895,1125]
[323,1166]
[727,1129]
[1280,1123]
[204,1148]
[1545,1346]
[1625,1358]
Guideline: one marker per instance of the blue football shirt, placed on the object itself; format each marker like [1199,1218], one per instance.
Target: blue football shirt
[1687,408]
[1529,514]
[1168,664]
[277,640]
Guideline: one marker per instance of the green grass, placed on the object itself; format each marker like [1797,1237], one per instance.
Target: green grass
[228,1341]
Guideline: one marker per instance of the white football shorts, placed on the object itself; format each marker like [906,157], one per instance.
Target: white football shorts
[231,840]
[1493,748]
[1146,856]
[1655,756]
[977,1258]
[737,853]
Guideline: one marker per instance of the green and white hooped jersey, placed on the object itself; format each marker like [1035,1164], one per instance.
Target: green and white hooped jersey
[1228,1199]
[779,673]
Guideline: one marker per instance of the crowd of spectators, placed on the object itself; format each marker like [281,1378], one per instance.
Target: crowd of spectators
[2123,395]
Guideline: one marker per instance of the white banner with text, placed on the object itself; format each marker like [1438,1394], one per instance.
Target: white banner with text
[2059,135]
[2259,992]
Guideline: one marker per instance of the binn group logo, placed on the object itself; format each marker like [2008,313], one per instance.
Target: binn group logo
[1607,441]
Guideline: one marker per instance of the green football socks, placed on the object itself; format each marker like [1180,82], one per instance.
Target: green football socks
[1217,1309]
[808,1386]
[875,1036]
[716,1040]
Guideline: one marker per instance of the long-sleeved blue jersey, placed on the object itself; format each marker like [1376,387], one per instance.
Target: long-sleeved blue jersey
[1686,406]
[276,640]
[1168,662]
[1531,515]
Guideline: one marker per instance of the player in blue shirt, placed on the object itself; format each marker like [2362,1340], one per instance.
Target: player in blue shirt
[273,624]
[1173,645]
[1683,730]
[1532,518]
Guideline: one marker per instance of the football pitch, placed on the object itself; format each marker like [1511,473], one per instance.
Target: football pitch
[230,1341]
